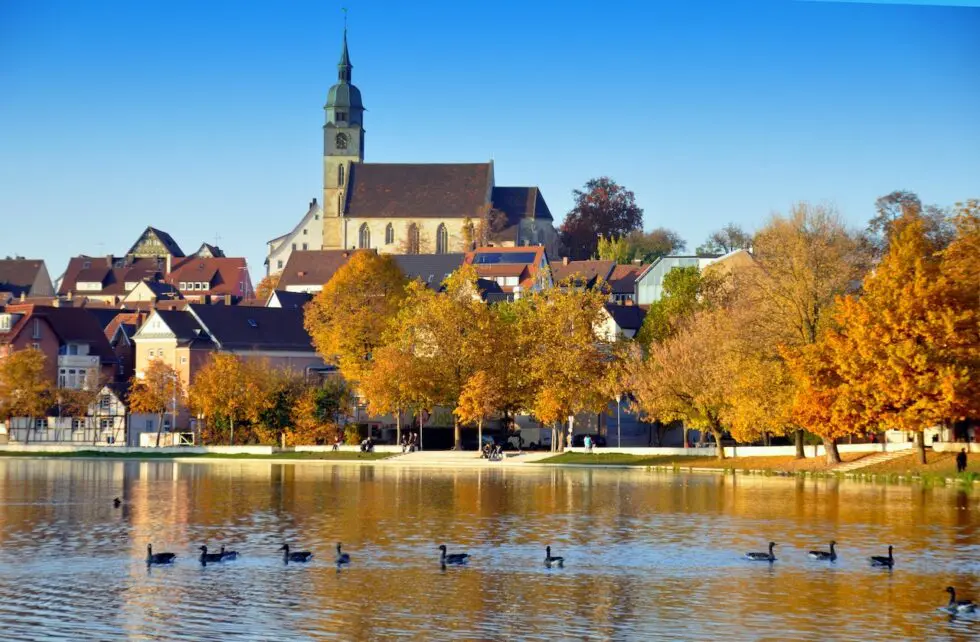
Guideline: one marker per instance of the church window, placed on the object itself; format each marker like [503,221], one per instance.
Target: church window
[442,239]
[340,175]
[414,241]
[389,234]
[342,116]
[364,237]
[340,204]
[341,141]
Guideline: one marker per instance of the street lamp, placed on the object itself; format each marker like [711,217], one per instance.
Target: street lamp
[619,433]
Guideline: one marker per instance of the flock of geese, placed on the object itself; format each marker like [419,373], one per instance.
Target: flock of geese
[883,561]
[342,559]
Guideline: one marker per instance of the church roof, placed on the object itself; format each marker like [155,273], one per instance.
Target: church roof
[416,190]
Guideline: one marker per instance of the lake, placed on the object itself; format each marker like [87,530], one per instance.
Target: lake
[648,555]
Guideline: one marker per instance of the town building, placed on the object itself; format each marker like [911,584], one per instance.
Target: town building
[405,208]
[24,278]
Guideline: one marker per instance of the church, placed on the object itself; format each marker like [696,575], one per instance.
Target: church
[406,208]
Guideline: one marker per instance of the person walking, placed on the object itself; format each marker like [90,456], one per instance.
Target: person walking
[961,460]
[588,444]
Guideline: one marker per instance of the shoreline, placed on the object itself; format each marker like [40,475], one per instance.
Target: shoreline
[393,460]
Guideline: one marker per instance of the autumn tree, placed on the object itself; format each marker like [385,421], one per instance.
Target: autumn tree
[229,388]
[25,386]
[449,334]
[319,410]
[482,395]
[76,403]
[563,354]
[615,249]
[906,350]
[267,286]
[348,319]
[157,390]
[683,377]
[602,209]
[647,247]
[281,388]
[395,384]
[802,262]
[728,239]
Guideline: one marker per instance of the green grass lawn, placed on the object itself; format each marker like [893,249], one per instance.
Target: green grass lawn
[97,454]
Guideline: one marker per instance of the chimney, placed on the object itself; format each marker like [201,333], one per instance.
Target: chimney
[56,303]
[108,260]
[23,296]
[69,295]
[168,263]
[564,260]
[227,299]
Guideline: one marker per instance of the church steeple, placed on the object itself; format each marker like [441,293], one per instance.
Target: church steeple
[344,66]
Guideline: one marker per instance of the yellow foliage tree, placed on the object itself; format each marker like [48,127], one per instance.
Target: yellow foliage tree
[482,396]
[906,351]
[684,379]
[157,390]
[391,386]
[232,389]
[563,355]
[25,387]
[348,319]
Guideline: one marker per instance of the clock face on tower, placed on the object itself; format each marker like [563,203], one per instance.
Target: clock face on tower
[342,141]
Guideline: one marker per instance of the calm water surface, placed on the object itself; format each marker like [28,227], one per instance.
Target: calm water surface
[649,556]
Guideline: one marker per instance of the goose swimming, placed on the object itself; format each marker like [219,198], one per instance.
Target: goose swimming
[762,557]
[550,559]
[228,555]
[824,556]
[206,557]
[158,558]
[298,556]
[881,560]
[452,558]
[959,606]
[342,558]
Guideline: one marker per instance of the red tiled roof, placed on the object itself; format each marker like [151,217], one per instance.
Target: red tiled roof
[313,267]
[590,271]
[112,272]
[224,275]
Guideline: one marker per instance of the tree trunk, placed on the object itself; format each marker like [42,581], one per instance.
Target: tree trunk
[798,437]
[457,437]
[159,428]
[231,420]
[718,446]
[479,435]
[30,426]
[920,445]
[830,445]
[398,427]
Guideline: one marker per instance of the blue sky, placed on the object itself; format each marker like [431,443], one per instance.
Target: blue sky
[205,118]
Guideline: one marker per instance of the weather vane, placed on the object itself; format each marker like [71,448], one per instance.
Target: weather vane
[344,9]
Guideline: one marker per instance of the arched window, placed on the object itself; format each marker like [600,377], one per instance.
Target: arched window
[340,175]
[364,237]
[340,204]
[442,239]
[414,241]
[389,234]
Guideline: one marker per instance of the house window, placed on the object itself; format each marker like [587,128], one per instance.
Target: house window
[294,246]
[414,240]
[442,239]
[316,217]
[183,360]
[304,232]
[279,265]
[364,237]
[37,329]
[389,234]
[148,425]
[77,424]
[105,424]
[72,349]
[105,401]
[40,424]
[183,285]
[35,346]
[304,246]
[340,175]
[62,378]
[4,321]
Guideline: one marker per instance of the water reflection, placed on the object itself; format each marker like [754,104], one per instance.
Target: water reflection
[648,555]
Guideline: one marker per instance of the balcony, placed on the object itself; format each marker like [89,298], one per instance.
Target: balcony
[78,361]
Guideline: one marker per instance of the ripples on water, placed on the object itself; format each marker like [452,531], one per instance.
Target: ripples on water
[648,556]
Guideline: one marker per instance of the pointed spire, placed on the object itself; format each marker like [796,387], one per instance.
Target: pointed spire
[344,67]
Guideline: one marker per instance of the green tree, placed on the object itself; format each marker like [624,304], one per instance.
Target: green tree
[616,249]
[685,291]
[652,245]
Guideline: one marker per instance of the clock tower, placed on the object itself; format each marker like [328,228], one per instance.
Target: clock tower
[343,144]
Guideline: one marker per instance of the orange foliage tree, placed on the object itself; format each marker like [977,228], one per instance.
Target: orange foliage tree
[905,353]
[230,389]
[158,390]
[267,286]
[482,396]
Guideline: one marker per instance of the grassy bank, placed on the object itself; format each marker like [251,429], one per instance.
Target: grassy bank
[97,454]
